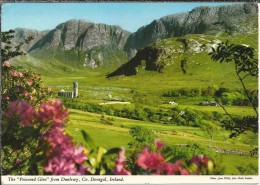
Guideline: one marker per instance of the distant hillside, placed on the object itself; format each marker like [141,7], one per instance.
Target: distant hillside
[22,33]
[82,35]
[230,19]
[184,53]
[84,44]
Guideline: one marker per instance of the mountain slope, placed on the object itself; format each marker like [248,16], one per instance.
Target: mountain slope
[22,33]
[82,35]
[83,44]
[185,52]
[231,19]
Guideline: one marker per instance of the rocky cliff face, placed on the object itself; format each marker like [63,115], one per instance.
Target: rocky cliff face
[22,33]
[231,19]
[82,35]
[92,45]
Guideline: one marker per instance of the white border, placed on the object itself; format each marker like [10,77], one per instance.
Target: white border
[140,179]
[143,179]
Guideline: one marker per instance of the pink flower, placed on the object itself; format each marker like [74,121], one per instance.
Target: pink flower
[62,147]
[201,161]
[52,111]
[17,161]
[120,164]
[6,64]
[26,113]
[56,137]
[79,155]
[37,76]
[23,110]
[159,144]
[150,161]
[61,166]
[83,169]
[25,92]
[204,164]
[19,74]
[174,169]
[29,83]
[6,97]
[12,107]
[30,97]
[12,73]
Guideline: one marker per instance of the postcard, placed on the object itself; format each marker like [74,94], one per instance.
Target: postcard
[129,93]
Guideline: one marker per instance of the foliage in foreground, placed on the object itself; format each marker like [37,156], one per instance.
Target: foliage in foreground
[246,65]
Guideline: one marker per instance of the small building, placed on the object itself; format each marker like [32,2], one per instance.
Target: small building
[172,103]
[209,103]
[69,94]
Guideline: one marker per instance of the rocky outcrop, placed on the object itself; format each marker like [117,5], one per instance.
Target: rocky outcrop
[82,35]
[163,53]
[231,19]
[22,33]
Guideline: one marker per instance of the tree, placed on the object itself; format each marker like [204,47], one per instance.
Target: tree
[245,66]
[8,50]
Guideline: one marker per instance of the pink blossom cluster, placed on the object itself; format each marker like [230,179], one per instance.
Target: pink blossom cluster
[15,74]
[203,164]
[52,111]
[152,162]
[64,157]
[121,164]
[6,64]
[155,164]
[23,110]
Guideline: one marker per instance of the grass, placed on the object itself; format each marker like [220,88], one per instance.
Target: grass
[117,135]
[171,134]
[233,110]
[231,162]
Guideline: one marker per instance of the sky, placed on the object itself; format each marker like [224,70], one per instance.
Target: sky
[129,16]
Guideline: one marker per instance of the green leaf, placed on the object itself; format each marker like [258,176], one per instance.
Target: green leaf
[88,140]
[113,151]
[101,152]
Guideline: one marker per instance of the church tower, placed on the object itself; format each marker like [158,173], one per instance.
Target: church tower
[75,89]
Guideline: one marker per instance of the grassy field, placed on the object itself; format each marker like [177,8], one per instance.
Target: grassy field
[117,135]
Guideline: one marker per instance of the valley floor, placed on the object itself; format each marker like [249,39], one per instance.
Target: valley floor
[234,155]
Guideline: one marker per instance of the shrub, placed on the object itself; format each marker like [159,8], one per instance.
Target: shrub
[188,151]
[141,136]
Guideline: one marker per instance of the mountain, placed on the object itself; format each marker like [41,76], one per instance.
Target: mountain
[82,35]
[230,19]
[89,43]
[21,34]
